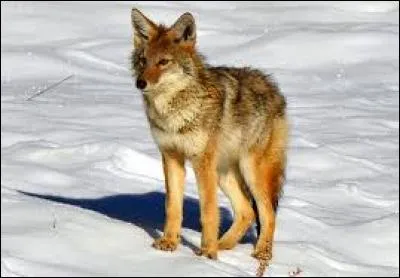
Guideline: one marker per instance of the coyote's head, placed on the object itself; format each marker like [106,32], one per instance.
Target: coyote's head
[162,58]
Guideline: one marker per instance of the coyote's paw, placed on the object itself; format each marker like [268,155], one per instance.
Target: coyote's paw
[165,244]
[226,244]
[207,252]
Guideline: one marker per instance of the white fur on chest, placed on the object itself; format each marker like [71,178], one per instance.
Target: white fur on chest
[164,110]
[190,143]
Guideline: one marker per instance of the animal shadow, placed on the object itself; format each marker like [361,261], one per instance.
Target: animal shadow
[146,211]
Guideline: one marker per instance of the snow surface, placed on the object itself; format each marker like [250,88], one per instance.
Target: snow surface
[82,189]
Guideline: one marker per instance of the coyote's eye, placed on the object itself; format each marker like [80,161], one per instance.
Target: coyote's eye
[163,62]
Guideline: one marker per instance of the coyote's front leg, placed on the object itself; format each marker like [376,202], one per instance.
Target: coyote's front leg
[174,172]
[207,181]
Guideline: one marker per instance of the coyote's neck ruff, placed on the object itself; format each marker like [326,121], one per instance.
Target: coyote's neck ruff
[229,122]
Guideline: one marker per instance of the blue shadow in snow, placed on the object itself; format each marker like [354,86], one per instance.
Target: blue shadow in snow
[146,211]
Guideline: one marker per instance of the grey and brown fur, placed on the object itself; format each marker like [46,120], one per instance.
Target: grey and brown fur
[230,123]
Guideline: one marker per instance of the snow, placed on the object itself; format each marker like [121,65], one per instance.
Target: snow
[82,189]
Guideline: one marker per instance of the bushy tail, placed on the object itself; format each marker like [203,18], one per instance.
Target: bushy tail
[275,204]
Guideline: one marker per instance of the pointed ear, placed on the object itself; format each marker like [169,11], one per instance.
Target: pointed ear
[142,26]
[185,29]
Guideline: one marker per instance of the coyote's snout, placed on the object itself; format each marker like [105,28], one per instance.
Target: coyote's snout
[230,123]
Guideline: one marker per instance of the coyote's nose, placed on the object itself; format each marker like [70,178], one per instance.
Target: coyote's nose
[141,84]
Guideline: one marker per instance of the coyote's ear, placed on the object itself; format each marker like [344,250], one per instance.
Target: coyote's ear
[142,26]
[185,29]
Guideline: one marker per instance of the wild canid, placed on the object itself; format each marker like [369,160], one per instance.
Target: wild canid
[230,123]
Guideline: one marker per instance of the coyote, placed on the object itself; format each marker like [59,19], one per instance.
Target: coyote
[230,123]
